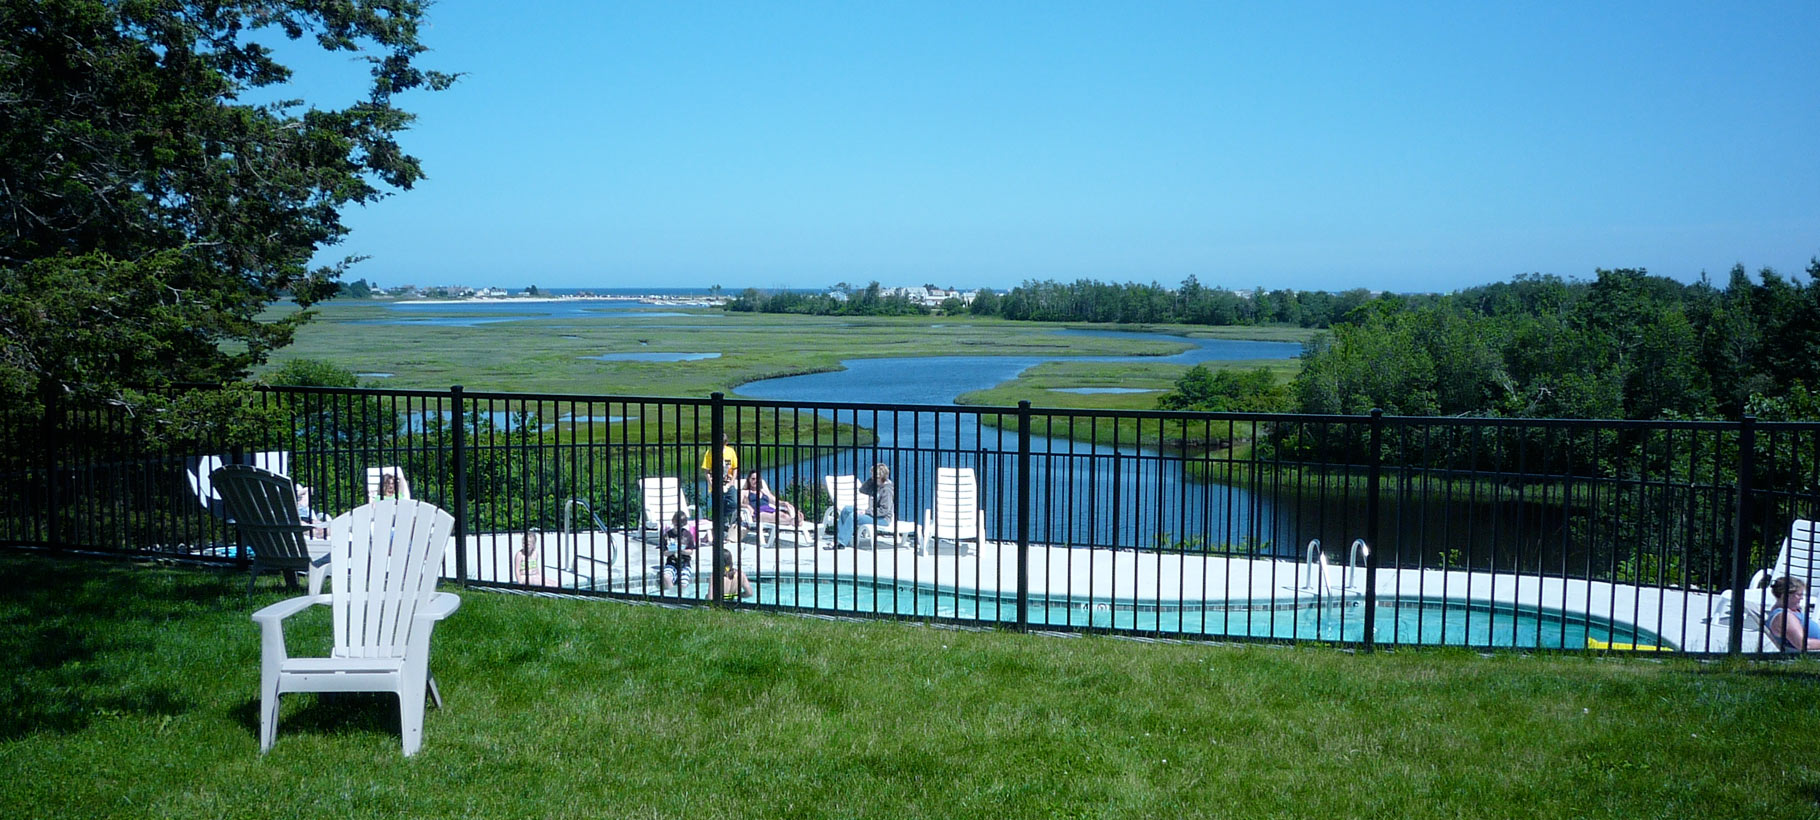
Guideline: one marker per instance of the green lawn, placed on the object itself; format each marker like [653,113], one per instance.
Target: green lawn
[133,693]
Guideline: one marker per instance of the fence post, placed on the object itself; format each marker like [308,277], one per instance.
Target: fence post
[717,427]
[1372,485]
[1023,515]
[459,462]
[49,439]
[1747,464]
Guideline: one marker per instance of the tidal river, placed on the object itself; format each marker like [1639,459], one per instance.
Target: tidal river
[1082,493]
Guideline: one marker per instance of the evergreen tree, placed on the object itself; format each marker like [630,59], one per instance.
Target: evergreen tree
[150,214]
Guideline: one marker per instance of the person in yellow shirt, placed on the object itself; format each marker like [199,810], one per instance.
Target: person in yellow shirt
[727,454]
[726,484]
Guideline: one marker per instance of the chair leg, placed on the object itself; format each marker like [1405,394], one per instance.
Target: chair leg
[410,722]
[410,709]
[251,576]
[268,714]
[435,694]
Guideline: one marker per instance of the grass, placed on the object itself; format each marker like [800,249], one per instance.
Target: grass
[134,694]
[1039,384]
[549,355]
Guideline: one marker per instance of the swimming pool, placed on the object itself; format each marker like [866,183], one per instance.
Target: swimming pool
[1399,621]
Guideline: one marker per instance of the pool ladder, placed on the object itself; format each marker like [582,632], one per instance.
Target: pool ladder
[570,533]
[1318,576]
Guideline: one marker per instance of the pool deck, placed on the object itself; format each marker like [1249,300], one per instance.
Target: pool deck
[1089,576]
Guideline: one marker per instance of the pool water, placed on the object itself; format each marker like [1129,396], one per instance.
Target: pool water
[1399,621]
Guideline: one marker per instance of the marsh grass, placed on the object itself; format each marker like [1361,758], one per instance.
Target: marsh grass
[551,355]
[132,693]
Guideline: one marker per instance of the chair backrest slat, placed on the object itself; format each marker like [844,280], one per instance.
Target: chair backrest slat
[386,558]
[1800,552]
[263,505]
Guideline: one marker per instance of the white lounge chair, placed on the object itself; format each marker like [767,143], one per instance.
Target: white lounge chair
[765,525]
[373,478]
[201,468]
[385,557]
[1757,603]
[843,490]
[956,515]
[661,498]
[262,506]
[1800,556]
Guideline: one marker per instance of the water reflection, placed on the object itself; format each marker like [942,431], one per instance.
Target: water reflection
[1118,493]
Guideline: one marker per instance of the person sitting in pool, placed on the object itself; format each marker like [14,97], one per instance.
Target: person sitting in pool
[527,564]
[1788,622]
[733,582]
[681,530]
[764,506]
[677,568]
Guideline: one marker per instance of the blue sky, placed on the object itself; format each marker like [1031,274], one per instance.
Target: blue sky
[1397,146]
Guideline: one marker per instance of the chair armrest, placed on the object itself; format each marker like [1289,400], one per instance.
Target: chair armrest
[286,608]
[271,630]
[440,606]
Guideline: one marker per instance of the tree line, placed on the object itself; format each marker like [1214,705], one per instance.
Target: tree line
[869,301]
[1623,345]
[1085,300]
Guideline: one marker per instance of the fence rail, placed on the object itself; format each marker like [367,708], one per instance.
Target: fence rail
[1349,529]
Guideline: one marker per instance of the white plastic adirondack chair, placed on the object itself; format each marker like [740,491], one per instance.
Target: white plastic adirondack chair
[262,506]
[956,515]
[662,497]
[375,474]
[385,557]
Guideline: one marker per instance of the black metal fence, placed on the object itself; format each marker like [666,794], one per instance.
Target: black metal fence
[1349,529]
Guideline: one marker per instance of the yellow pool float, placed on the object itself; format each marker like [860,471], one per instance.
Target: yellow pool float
[1595,643]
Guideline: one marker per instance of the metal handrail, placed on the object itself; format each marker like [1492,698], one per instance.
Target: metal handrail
[568,516]
[1352,561]
[1315,562]
[568,525]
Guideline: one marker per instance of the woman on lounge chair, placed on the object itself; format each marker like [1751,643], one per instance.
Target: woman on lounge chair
[878,493]
[760,501]
[1788,623]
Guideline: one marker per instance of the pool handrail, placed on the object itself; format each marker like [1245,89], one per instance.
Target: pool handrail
[1348,582]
